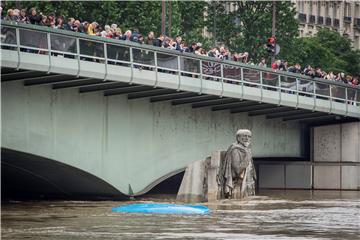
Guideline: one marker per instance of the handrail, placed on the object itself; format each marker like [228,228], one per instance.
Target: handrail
[130,44]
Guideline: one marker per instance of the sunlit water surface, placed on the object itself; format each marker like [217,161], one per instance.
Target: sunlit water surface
[272,215]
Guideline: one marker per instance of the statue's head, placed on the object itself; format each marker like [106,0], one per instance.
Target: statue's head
[243,137]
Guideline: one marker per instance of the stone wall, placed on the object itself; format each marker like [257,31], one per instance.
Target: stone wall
[336,156]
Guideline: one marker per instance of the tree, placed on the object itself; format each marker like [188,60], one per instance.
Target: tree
[186,18]
[248,27]
[329,50]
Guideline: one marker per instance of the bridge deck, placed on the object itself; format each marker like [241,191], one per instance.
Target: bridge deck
[68,60]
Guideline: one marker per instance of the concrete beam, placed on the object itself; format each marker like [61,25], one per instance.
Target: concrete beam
[234,105]
[253,107]
[50,79]
[21,75]
[150,93]
[286,113]
[305,116]
[75,84]
[215,102]
[321,119]
[201,98]
[276,109]
[101,87]
[173,96]
[126,90]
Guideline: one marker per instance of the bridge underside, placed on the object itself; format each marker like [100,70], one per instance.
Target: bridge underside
[195,100]
[29,176]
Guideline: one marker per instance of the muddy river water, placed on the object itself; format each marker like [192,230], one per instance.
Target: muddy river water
[270,215]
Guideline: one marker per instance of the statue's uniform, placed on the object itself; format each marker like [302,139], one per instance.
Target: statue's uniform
[237,173]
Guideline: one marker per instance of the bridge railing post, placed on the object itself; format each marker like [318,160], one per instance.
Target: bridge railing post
[49,51]
[222,79]
[78,55]
[347,102]
[201,77]
[131,65]
[17,32]
[242,83]
[106,62]
[156,70]
[179,72]
[314,94]
[331,98]
[297,92]
[261,86]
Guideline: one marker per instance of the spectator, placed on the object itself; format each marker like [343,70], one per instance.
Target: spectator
[10,15]
[355,81]
[141,39]
[127,35]
[150,39]
[135,35]
[77,26]
[91,29]
[70,24]
[16,15]
[276,65]
[51,20]
[106,31]
[117,34]
[309,71]
[340,77]
[243,57]
[44,21]
[192,48]
[34,18]
[159,42]
[330,76]
[283,66]
[213,52]
[23,17]
[114,26]
[178,44]
[59,23]
[262,62]
[295,69]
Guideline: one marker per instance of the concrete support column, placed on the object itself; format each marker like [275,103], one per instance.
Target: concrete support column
[336,157]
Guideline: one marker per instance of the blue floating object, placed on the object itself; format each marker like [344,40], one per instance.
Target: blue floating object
[162,208]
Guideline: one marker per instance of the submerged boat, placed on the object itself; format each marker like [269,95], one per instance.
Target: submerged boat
[162,208]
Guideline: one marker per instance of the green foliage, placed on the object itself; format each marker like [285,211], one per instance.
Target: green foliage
[329,50]
[186,17]
[248,28]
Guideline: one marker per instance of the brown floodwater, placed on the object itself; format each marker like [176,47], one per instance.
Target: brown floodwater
[271,215]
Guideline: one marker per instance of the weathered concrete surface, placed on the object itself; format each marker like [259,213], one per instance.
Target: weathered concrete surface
[213,193]
[337,143]
[298,176]
[349,177]
[350,142]
[128,141]
[326,177]
[271,176]
[327,143]
[193,183]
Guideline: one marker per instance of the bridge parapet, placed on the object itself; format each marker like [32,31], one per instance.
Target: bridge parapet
[102,58]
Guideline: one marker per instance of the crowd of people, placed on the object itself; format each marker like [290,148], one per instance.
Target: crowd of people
[113,31]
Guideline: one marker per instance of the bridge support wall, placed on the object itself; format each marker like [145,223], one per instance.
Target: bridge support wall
[129,141]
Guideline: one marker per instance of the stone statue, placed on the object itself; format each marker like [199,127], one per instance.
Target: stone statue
[236,175]
[229,174]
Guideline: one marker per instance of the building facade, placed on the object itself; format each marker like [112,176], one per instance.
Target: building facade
[341,16]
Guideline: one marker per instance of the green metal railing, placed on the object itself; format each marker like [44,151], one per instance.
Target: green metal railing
[81,47]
